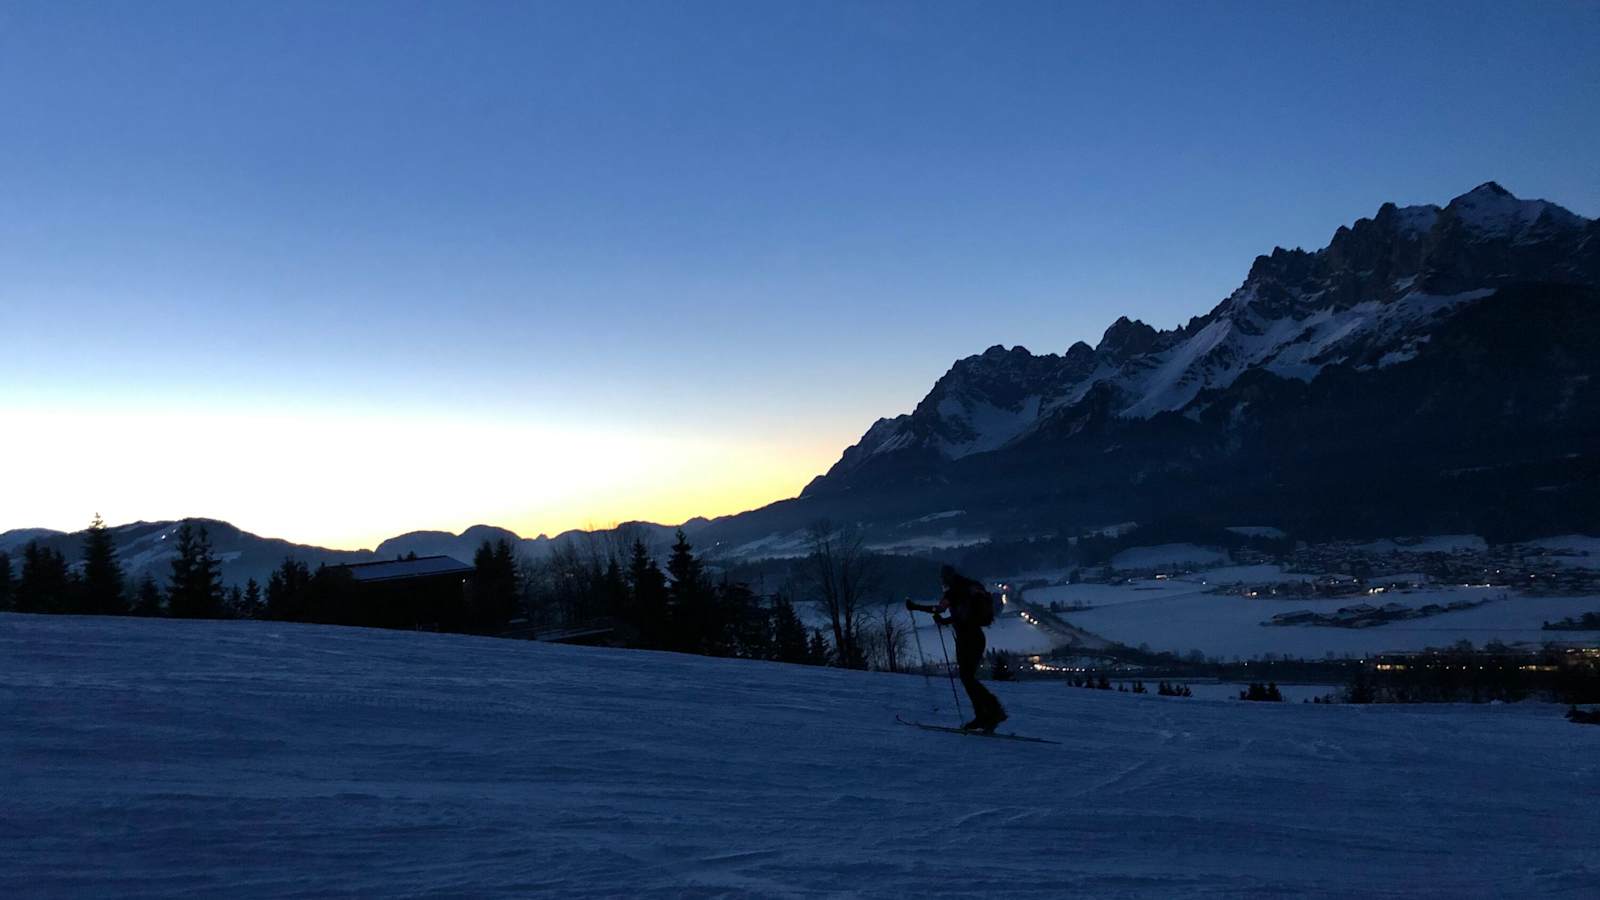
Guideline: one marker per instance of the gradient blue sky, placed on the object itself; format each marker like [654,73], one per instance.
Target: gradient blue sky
[554,265]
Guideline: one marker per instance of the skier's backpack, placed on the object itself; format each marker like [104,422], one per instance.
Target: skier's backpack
[980,605]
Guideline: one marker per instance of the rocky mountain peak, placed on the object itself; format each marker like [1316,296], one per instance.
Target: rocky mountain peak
[1127,337]
[1491,211]
[1369,299]
[1079,353]
[1488,189]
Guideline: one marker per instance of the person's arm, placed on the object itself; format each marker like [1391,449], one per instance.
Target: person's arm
[944,604]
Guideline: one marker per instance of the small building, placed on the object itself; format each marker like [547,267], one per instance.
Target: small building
[421,592]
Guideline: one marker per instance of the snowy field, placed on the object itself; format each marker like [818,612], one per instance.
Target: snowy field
[1229,625]
[1094,594]
[1434,543]
[146,758]
[1009,632]
[1164,555]
[1577,550]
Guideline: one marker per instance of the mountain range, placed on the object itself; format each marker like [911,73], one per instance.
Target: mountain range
[1430,369]
[148,547]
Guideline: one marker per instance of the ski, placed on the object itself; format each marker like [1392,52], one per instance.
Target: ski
[1006,737]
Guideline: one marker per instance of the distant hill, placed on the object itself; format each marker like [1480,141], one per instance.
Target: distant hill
[146,547]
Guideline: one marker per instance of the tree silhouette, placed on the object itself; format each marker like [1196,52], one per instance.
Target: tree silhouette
[195,591]
[818,653]
[5,582]
[1000,667]
[253,607]
[741,621]
[147,600]
[647,609]
[689,603]
[788,633]
[494,586]
[844,572]
[45,585]
[289,591]
[103,585]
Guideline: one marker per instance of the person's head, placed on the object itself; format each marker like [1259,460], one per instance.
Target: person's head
[948,576]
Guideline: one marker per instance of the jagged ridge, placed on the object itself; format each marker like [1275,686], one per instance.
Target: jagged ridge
[1367,300]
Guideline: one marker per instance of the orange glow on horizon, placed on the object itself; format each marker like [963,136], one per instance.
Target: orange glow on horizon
[349,481]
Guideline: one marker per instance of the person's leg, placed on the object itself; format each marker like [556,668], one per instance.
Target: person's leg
[967,665]
[969,653]
[986,707]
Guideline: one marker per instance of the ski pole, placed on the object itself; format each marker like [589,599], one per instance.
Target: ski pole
[960,713]
[922,661]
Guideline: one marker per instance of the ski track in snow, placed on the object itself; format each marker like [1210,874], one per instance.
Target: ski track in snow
[249,759]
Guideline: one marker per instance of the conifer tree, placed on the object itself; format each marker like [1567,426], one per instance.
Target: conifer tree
[45,585]
[648,601]
[5,582]
[1000,667]
[494,586]
[147,599]
[182,571]
[613,589]
[252,600]
[289,592]
[103,588]
[689,600]
[196,588]
[233,605]
[741,622]
[818,653]
[788,633]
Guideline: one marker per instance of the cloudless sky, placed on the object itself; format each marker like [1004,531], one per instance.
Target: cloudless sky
[335,271]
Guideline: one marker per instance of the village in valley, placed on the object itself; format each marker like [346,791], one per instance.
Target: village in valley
[1321,616]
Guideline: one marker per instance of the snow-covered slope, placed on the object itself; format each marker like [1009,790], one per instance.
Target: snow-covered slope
[248,759]
[1367,300]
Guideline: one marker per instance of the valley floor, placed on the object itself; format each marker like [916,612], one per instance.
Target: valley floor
[251,759]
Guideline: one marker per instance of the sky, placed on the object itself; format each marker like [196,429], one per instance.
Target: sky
[334,272]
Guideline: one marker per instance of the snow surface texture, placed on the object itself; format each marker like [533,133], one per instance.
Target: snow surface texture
[248,759]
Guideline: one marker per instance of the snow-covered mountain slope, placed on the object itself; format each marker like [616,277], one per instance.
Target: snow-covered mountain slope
[148,548]
[17,538]
[251,759]
[1366,300]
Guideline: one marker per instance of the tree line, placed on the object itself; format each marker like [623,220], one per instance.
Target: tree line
[676,604]
[680,608]
[98,585]
[684,606]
